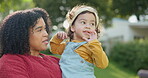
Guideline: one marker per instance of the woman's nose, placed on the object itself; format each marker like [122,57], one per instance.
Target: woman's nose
[45,33]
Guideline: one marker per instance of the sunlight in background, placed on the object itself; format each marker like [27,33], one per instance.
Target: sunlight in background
[54,27]
[133,19]
[66,24]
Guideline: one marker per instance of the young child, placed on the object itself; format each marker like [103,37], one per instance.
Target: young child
[79,56]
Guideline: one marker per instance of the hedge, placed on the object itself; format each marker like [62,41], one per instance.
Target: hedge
[132,55]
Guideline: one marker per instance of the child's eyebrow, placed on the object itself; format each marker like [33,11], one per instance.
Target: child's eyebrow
[92,20]
[82,19]
[86,20]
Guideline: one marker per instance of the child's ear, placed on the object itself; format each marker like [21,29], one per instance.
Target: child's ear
[72,28]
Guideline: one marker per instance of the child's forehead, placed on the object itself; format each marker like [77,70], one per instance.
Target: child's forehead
[87,12]
[84,10]
[87,15]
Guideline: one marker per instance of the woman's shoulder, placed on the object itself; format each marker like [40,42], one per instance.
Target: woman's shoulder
[11,57]
[11,60]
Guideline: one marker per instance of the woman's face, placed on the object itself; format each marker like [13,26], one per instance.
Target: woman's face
[38,37]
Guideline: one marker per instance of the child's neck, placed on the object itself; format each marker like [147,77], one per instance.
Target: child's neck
[77,40]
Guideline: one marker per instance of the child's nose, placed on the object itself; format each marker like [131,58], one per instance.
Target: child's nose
[88,26]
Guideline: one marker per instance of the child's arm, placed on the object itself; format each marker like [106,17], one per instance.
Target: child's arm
[95,53]
[92,52]
[56,45]
[99,57]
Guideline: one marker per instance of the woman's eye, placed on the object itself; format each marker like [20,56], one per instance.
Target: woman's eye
[45,29]
[39,30]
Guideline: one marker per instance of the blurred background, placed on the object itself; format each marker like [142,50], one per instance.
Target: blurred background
[124,34]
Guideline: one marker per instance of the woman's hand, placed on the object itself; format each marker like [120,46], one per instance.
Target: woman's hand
[62,35]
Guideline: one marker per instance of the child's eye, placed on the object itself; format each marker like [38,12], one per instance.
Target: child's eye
[92,24]
[83,22]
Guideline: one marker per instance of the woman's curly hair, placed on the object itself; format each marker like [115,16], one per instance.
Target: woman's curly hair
[14,31]
[45,17]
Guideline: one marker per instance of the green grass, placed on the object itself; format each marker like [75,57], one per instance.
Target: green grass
[113,71]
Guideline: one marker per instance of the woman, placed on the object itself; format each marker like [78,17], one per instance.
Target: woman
[23,34]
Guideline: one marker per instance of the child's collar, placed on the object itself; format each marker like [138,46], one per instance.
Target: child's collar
[76,41]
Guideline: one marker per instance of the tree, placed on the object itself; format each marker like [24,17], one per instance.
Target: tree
[125,8]
[57,9]
[8,6]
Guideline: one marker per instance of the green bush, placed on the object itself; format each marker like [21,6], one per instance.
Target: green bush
[46,52]
[132,55]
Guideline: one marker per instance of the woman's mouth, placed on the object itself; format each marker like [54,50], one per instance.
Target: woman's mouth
[45,41]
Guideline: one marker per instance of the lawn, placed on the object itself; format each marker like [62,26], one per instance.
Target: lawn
[113,71]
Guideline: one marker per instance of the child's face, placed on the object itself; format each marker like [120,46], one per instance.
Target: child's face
[83,26]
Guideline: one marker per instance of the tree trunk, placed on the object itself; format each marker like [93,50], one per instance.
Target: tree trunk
[138,18]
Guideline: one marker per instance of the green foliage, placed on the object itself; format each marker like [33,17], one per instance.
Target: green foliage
[8,6]
[57,9]
[46,52]
[107,9]
[129,7]
[132,55]
[114,71]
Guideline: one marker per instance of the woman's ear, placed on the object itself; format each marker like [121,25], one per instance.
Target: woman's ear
[72,28]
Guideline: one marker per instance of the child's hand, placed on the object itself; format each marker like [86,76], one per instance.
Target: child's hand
[62,35]
[92,36]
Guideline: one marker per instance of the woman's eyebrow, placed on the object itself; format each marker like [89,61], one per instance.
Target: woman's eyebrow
[38,27]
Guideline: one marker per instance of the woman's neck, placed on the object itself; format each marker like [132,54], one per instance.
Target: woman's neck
[34,53]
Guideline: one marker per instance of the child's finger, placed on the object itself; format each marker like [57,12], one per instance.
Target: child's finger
[64,35]
[59,35]
[94,32]
[85,39]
